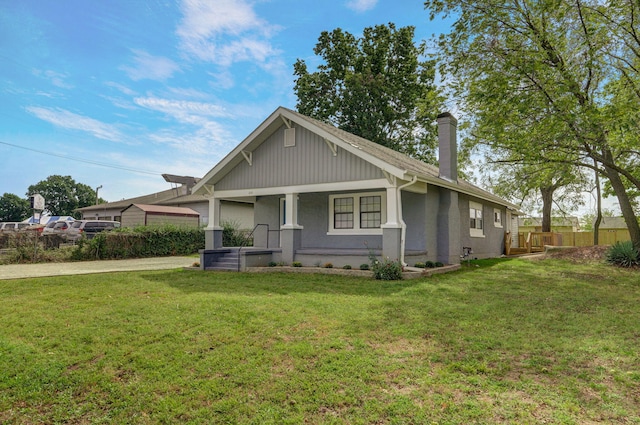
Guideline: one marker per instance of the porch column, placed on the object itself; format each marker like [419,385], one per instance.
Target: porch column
[392,229]
[290,231]
[213,231]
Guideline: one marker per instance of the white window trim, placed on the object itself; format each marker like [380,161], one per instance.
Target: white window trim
[497,212]
[356,214]
[477,233]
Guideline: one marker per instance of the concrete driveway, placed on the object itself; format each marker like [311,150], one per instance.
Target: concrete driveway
[19,271]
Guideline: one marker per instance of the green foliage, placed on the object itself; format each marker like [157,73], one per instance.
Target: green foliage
[328,265]
[63,195]
[438,264]
[419,265]
[375,86]
[272,264]
[429,264]
[14,208]
[385,269]
[296,264]
[364,266]
[24,249]
[140,242]
[347,267]
[623,254]
[232,235]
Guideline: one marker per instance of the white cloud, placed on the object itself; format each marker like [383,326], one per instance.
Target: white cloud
[150,67]
[56,78]
[225,32]
[181,108]
[203,135]
[361,5]
[66,119]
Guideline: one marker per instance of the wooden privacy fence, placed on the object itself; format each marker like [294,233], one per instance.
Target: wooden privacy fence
[536,241]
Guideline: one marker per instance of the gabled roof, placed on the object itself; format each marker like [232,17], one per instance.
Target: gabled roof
[613,223]
[388,160]
[161,209]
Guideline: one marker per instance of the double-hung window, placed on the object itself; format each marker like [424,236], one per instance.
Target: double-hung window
[497,217]
[476,222]
[357,213]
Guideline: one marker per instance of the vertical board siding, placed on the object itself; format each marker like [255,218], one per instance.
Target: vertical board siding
[132,217]
[309,161]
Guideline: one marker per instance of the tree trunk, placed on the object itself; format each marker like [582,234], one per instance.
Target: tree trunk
[625,205]
[547,202]
[596,225]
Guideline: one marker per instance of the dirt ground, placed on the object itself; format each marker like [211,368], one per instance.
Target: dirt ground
[579,254]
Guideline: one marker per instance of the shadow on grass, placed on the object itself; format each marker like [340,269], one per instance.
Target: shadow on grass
[190,281]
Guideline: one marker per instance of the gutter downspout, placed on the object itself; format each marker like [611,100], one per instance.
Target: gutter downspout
[403,225]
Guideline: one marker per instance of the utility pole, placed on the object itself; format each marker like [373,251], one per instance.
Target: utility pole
[97,189]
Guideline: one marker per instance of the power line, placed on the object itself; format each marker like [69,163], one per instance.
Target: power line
[71,158]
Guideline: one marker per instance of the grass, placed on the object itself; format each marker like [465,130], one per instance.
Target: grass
[500,342]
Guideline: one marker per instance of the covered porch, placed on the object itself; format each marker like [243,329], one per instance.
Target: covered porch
[343,226]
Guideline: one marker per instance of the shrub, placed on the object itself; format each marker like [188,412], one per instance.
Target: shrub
[438,264]
[296,264]
[419,265]
[141,242]
[272,264]
[346,267]
[385,269]
[232,235]
[429,264]
[328,266]
[364,266]
[623,254]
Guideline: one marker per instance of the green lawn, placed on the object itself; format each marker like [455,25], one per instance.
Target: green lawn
[502,341]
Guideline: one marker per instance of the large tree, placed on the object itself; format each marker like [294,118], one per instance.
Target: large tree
[378,86]
[13,208]
[512,60]
[63,195]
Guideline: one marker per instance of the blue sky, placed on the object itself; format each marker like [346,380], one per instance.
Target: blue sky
[155,86]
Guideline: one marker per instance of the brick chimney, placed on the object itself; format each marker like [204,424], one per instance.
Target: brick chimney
[447,147]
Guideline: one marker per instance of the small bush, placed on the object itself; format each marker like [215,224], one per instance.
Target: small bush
[419,265]
[232,235]
[328,266]
[346,267]
[623,254]
[364,266]
[272,264]
[296,264]
[429,264]
[385,269]
[439,264]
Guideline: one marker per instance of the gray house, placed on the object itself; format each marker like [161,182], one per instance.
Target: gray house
[321,194]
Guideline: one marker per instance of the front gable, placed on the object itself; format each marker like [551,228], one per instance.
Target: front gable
[295,157]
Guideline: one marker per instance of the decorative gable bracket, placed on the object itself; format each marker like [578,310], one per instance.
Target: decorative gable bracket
[390,178]
[332,146]
[248,156]
[286,121]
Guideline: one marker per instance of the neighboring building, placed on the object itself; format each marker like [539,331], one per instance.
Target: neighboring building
[146,215]
[321,194]
[613,223]
[240,213]
[558,224]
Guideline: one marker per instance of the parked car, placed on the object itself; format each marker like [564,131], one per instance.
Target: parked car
[88,228]
[12,226]
[58,227]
